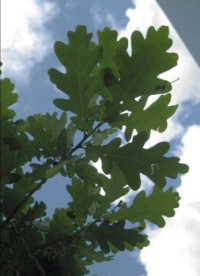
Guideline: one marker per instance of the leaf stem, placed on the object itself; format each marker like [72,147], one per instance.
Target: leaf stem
[79,145]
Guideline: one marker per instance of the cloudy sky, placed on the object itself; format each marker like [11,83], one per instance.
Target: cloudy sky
[29,28]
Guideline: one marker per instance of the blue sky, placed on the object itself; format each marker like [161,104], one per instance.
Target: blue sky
[29,29]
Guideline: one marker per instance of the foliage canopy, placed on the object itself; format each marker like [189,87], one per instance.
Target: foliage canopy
[104,89]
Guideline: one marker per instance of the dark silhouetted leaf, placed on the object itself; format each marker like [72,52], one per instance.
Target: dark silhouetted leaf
[133,159]
[153,118]
[115,234]
[152,208]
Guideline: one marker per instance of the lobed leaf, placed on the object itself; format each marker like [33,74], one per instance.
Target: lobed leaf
[37,211]
[85,171]
[7,98]
[78,83]
[114,234]
[153,118]
[9,162]
[60,226]
[133,159]
[82,200]
[108,40]
[113,187]
[91,254]
[139,72]
[100,136]
[46,131]
[152,208]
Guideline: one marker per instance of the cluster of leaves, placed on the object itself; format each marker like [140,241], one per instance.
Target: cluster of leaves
[104,89]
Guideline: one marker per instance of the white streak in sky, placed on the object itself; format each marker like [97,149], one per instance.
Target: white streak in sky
[25,40]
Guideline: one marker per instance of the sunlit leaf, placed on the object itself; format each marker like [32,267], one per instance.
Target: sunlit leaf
[139,72]
[78,83]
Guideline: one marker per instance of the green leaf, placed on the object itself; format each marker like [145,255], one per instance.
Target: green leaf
[133,159]
[20,143]
[139,72]
[60,226]
[152,208]
[91,254]
[153,118]
[37,211]
[108,39]
[85,171]
[0,67]
[7,98]
[105,89]
[45,130]
[9,162]
[55,125]
[99,136]
[70,134]
[32,239]
[81,199]
[39,170]
[11,199]
[61,144]
[78,83]
[56,169]
[114,188]
[15,195]
[115,234]
[74,264]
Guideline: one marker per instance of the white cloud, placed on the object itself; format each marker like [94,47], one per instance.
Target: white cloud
[25,40]
[96,15]
[102,17]
[175,249]
[70,4]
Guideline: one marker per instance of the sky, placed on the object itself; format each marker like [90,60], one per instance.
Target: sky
[29,30]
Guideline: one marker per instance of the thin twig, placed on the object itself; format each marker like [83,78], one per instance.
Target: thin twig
[30,255]
[85,137]
[22,203]
[71,238]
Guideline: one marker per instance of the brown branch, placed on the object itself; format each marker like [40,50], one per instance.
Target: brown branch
[22,203]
